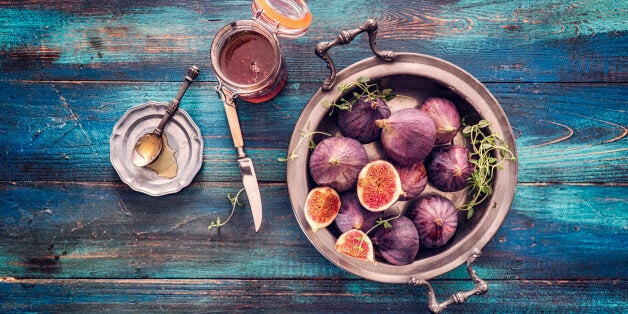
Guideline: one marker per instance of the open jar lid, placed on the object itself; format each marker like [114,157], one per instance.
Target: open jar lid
[289,18]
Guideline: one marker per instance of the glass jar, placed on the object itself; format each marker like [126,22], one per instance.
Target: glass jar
[246,55]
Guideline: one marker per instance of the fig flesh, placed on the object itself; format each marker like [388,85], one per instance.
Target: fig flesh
[413,180]
[321,207]
[356,243]
[408,136]
[359,122]
[435,218]
[445,116]
[448,167]
[353,215]
[379,185]
[398,244]
[336,163]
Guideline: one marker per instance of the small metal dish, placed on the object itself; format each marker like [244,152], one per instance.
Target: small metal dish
[184,137]
[416,77]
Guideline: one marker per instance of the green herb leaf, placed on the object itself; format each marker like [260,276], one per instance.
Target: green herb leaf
[487,154]
[311,144]
[363,90]
[217,223]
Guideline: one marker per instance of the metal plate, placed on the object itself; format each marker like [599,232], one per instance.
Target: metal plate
[184,137]
[416,77]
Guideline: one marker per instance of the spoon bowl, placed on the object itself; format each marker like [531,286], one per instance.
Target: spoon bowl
[147,149]
[149,146]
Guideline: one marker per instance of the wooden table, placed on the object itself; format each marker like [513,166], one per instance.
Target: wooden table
[74,237]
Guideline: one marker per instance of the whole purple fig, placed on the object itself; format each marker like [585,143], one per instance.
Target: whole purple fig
[359,122]
[445,116]
[336,163]
[398,244]
[407,136]
[353,215]
[448,167]
[413,180]
[435,218]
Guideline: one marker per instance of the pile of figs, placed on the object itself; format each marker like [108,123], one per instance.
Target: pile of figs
[354,194]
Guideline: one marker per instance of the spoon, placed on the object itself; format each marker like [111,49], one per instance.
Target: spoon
[149,146]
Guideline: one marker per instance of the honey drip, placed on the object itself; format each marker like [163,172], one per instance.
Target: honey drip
[166,164]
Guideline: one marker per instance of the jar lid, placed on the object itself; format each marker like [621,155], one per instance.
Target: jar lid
[290,18]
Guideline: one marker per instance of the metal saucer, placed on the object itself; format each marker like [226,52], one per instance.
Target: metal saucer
[183,135]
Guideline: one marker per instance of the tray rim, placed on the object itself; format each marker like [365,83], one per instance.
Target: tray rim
[470,89]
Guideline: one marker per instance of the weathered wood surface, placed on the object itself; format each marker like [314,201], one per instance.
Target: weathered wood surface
[60,131]
[220,295]
[73,237]
[101,230]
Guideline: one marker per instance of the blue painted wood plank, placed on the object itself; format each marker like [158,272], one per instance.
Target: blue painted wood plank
[497,41]
[100,230]
[60,131]
[547,296]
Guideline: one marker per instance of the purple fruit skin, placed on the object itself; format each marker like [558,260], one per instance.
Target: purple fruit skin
[398,244]
[445,116]
[336,163]
[359,123]
[448,167]
[413,180]
[435,218]
[353,215]
[407,136]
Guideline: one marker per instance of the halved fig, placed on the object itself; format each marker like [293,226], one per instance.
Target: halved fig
[356,243]
[321,207]
[379,185]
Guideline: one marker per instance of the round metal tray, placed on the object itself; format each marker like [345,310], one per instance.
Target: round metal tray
[416,77]
[184,137]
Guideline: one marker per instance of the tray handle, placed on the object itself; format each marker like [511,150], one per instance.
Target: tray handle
[481,287]
[344,38]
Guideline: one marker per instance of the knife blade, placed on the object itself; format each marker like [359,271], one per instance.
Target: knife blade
[249,179]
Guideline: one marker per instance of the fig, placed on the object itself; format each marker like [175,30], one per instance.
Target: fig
[356,243]
[408,135]
[353,215]
[445,116]
[435,218]
[336,163]
[321,207]
[448,167]
[399,243]
[359,122]
[413,180]
[379,185]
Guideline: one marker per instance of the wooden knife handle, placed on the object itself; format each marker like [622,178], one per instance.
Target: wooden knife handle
[232,116]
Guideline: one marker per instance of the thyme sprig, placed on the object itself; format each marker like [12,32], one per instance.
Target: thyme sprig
[234,202]
[385,222]
[293,154]
[380,222]
[488,154]
[370,91]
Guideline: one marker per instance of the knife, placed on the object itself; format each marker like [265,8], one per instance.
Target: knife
[249,179]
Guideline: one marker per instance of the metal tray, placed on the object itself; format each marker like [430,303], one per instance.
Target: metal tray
[184,137]
[415,76]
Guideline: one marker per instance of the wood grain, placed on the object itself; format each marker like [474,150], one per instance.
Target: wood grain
[75,238]
[307,296]
[61,130]
[496,41]
[104,230]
